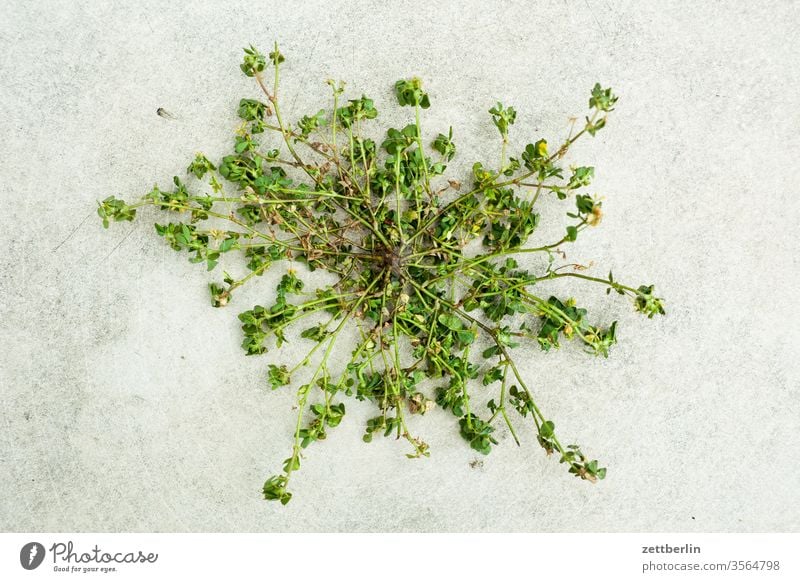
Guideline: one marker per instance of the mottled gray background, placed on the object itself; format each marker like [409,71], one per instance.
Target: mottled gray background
[127,403]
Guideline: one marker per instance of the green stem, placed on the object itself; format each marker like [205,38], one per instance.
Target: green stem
[303,392]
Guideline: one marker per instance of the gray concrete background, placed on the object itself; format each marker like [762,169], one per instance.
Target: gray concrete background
[128,405]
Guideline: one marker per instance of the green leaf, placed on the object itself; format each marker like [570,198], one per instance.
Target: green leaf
[445,146]
[451,322]
[647,303]
[316,333]
[503,118]
[602,99]
[409,92]
[114,209]
[252,110]
[278,376]
[275,489]
[572,233]
[466,337]
[254,62]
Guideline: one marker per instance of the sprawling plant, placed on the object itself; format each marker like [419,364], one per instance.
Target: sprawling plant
[424,267]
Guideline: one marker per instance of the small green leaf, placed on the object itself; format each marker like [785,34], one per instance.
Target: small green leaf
[278,376]
[451,322]
[572,233]
[409,92]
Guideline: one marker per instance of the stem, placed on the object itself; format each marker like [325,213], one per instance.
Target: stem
[612,284]
[303,392]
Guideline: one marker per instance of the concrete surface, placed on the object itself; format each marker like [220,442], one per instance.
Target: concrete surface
[128,405]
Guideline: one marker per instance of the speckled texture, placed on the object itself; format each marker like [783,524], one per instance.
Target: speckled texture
[128,405]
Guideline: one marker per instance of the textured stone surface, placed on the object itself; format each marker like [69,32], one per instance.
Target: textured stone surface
[127,404]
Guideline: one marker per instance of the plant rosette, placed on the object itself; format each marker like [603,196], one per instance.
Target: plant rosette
[426,267]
